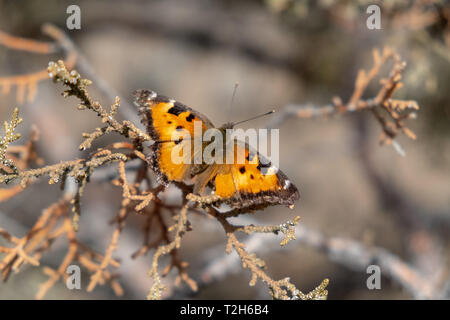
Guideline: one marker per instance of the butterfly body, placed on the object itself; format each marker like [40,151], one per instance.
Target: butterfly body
[255,183]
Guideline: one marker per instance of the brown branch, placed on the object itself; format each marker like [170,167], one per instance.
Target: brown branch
[18,43]
[64,44]
[68,46]
[397,111]
[28,82]
[280,289]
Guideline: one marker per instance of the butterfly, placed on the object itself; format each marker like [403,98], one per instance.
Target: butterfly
[253,184]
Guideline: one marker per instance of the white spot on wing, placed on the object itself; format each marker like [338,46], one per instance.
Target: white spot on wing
[271,170]
[287,183]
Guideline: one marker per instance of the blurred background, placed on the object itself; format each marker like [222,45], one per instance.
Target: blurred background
[281,52]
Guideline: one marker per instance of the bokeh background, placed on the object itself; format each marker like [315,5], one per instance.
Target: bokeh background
[281,52]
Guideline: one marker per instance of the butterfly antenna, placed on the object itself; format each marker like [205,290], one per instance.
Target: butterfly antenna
[236,85]
[253,118]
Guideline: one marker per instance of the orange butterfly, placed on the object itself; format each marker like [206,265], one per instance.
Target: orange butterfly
[248,185]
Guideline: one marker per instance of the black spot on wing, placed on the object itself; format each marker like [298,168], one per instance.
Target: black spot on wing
[250,157]
[190,117]
[177,109]
[179,127]
[242,170]
[263,167]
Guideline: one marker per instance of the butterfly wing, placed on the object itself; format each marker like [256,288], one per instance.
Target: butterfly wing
[163,117]
[253,183]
